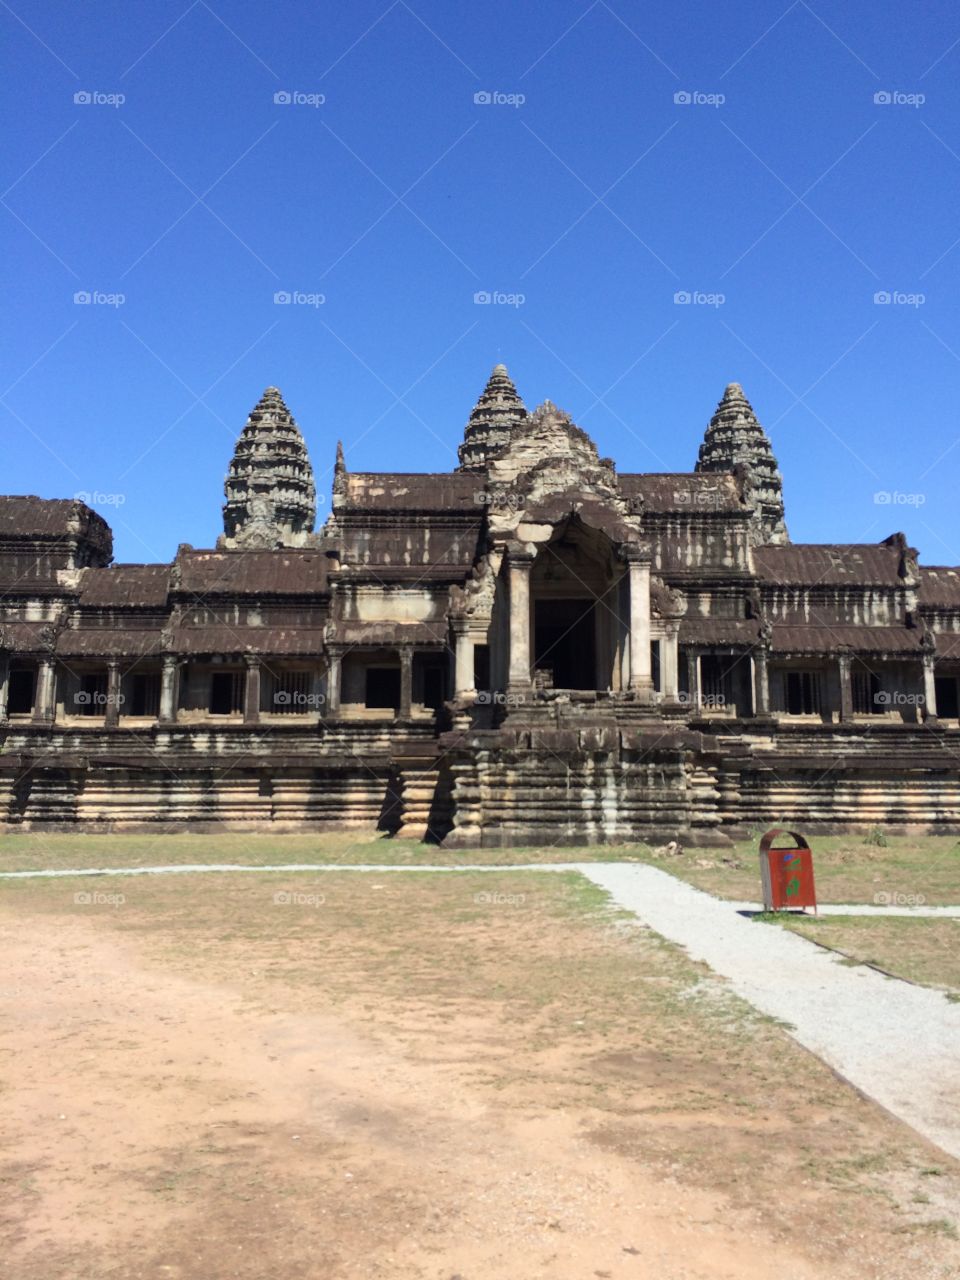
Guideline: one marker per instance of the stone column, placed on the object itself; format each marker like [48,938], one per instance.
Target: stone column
[641,678]
[111,716]
[44,707]
[251,693]
[169,689]
[669,666]
[761,683]
[332,707]
[846,686]
[406,681]
[519,676]
[463,679]
[4,686]
[693,679]
[929,687]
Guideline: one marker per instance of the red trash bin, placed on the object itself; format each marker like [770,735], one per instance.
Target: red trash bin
[786,872]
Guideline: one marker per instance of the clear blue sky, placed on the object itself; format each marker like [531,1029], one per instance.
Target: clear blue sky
[597,198]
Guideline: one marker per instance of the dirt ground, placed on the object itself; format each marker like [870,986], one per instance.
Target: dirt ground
[420,1078]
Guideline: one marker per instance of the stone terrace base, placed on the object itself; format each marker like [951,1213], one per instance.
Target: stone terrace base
[590,778]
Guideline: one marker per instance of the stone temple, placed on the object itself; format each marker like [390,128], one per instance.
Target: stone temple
[531,648]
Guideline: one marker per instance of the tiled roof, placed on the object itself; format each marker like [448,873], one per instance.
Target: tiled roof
[939,585]
[399,491]
[687,492]
[832,639]
[833,564]
[143,585]
[283,572]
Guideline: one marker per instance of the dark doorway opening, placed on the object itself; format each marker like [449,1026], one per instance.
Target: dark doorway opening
[226,693]
[565,642]
[948,705]
[383,687]
[21,690]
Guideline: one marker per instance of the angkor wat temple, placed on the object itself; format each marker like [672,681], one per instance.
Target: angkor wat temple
[531,648]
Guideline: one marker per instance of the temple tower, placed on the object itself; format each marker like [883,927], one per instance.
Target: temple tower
[496,415]
[735,441]
[271,498]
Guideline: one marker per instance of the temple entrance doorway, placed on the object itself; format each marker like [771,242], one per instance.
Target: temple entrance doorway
[565,642]
[578,609]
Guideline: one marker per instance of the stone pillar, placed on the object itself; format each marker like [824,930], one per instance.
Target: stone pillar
[641,678]
[761,683]
[44,707]
[4,686]
[111,717]
[929,688]
[334,658]
[251,693]
[406,681]
[519,676]
[669,666]
[463,680]
[846,687]
[693,679]
[169,689]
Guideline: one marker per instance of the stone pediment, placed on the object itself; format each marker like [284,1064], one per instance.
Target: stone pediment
[551,470]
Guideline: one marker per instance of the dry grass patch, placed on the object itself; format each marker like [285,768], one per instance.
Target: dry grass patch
[926,951]
[484,1025]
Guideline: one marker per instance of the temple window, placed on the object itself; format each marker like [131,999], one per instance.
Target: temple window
[865,686]
[23,681]
[383,688]
[226,693]
[803,693]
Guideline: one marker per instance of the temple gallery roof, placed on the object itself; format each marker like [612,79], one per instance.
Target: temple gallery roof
[830,564]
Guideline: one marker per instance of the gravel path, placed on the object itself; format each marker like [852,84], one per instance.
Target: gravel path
[898,1043]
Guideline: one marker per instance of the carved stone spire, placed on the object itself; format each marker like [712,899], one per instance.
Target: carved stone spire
[496,415]
[735,441]
[339,477]
[271,498]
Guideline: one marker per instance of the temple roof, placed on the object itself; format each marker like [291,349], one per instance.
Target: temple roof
[687,492]
[282,572]
[830,564]
[939,585]
[458,491]
[126,585]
